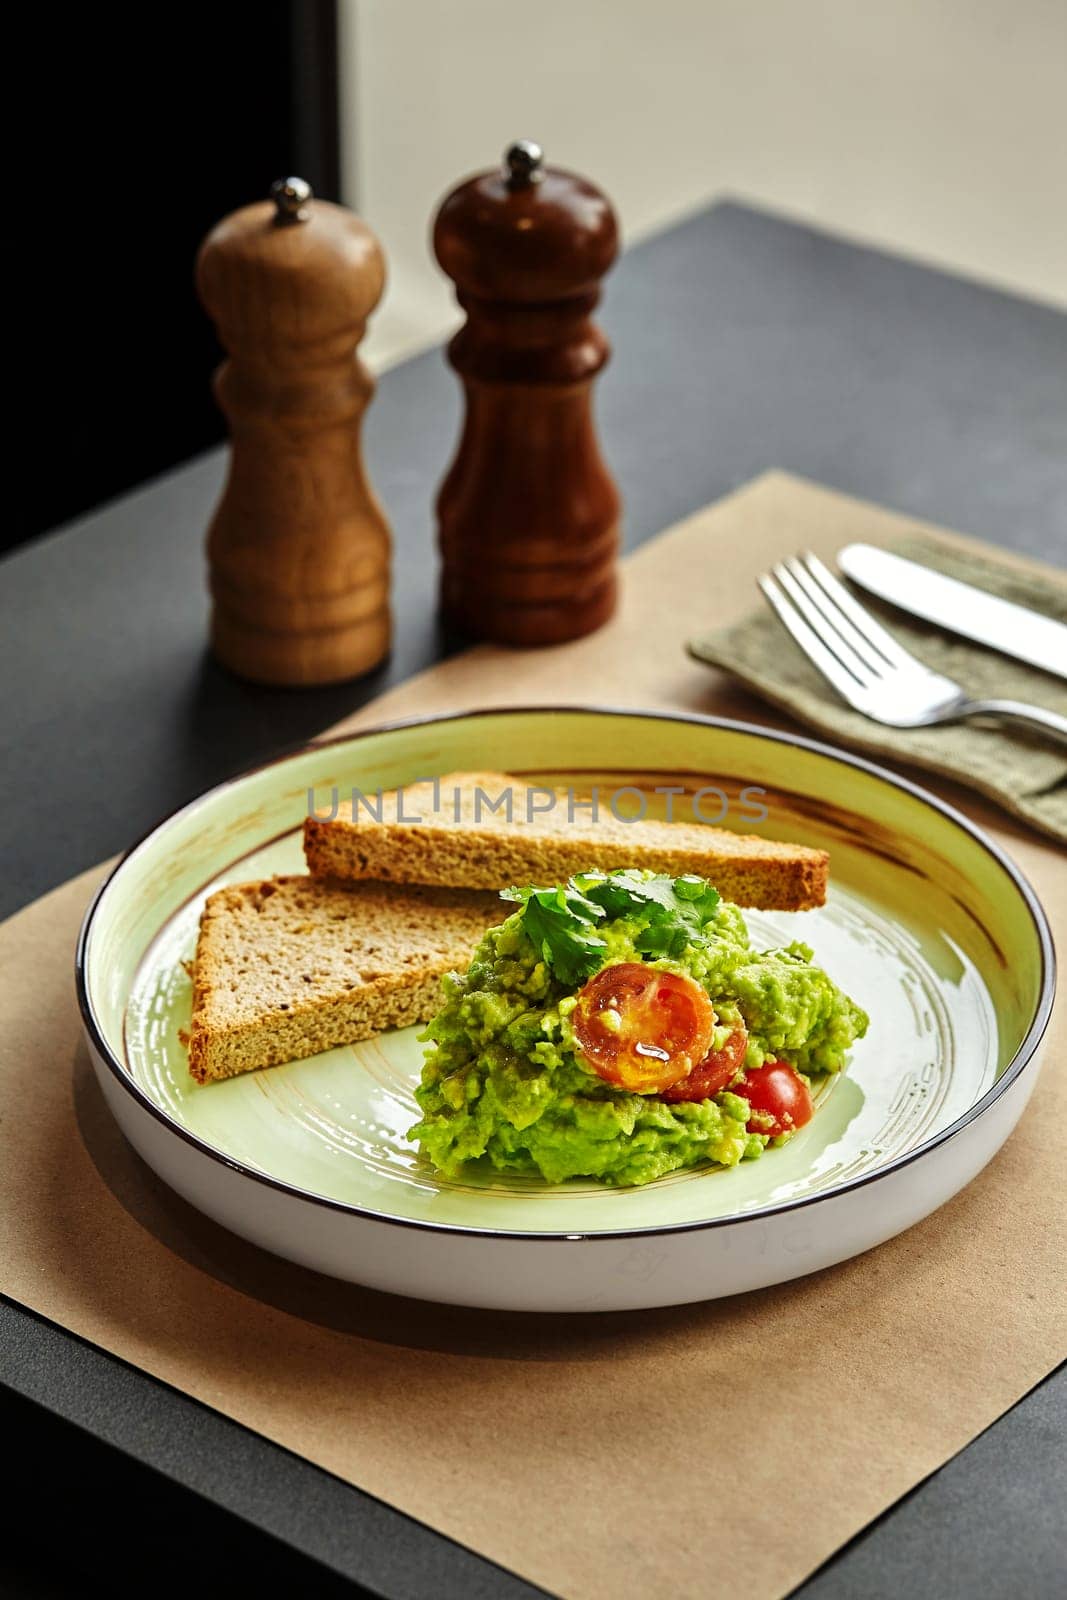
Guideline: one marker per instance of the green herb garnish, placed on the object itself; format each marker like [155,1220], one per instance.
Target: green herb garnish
[560,922]
[666,914]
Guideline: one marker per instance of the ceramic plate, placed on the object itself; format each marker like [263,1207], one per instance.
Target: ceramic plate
[928,925]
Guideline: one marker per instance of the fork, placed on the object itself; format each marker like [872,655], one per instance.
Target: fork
[867,666]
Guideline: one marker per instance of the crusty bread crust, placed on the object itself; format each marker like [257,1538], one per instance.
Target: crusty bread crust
[462,843]
[291,966]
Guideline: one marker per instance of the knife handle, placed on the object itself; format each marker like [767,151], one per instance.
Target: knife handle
[1050,723]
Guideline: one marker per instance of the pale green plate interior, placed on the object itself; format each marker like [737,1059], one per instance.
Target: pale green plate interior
[917,927]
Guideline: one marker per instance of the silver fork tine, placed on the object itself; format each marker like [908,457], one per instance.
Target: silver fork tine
[858,615]
[824,628]
[821,658]
[831,613]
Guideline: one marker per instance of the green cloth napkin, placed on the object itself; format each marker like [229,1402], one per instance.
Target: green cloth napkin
[1026,775]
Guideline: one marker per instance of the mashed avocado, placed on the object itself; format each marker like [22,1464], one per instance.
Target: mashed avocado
[505,1081]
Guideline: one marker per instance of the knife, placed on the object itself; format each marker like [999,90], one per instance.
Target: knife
[960,607]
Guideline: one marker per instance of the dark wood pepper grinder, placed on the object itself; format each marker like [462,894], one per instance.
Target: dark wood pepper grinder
[298,549]
[528,514]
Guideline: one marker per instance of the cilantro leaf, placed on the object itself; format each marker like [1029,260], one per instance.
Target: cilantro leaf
[664,916]
[560,921]
[689,900]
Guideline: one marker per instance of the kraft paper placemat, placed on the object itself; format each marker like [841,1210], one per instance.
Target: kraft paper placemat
[607,1455]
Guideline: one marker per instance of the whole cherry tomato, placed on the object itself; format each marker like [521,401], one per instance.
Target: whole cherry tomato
[779,1100]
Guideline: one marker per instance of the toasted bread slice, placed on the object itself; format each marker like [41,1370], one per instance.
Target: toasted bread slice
[447,833]
[291,966]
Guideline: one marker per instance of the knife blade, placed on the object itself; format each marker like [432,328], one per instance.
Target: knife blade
[976,614]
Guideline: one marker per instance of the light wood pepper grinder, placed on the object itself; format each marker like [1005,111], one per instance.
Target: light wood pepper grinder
[528,514]
[298,549]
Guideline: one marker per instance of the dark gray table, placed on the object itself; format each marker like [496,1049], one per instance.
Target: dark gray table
[742,342]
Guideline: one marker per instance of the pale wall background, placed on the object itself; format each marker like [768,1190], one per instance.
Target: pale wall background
[937,128]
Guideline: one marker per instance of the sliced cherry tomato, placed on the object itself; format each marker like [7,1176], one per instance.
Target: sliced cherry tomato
[642,1029]
[711,1076]
[778,1098]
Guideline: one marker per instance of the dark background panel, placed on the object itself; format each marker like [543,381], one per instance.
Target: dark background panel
[145,126]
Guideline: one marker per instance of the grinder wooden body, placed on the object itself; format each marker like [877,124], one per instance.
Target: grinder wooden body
[528,514]
[298,549]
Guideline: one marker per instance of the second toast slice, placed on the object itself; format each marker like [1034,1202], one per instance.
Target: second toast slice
[446,832]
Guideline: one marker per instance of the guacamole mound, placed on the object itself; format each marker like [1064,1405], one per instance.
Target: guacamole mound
[504,1081]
